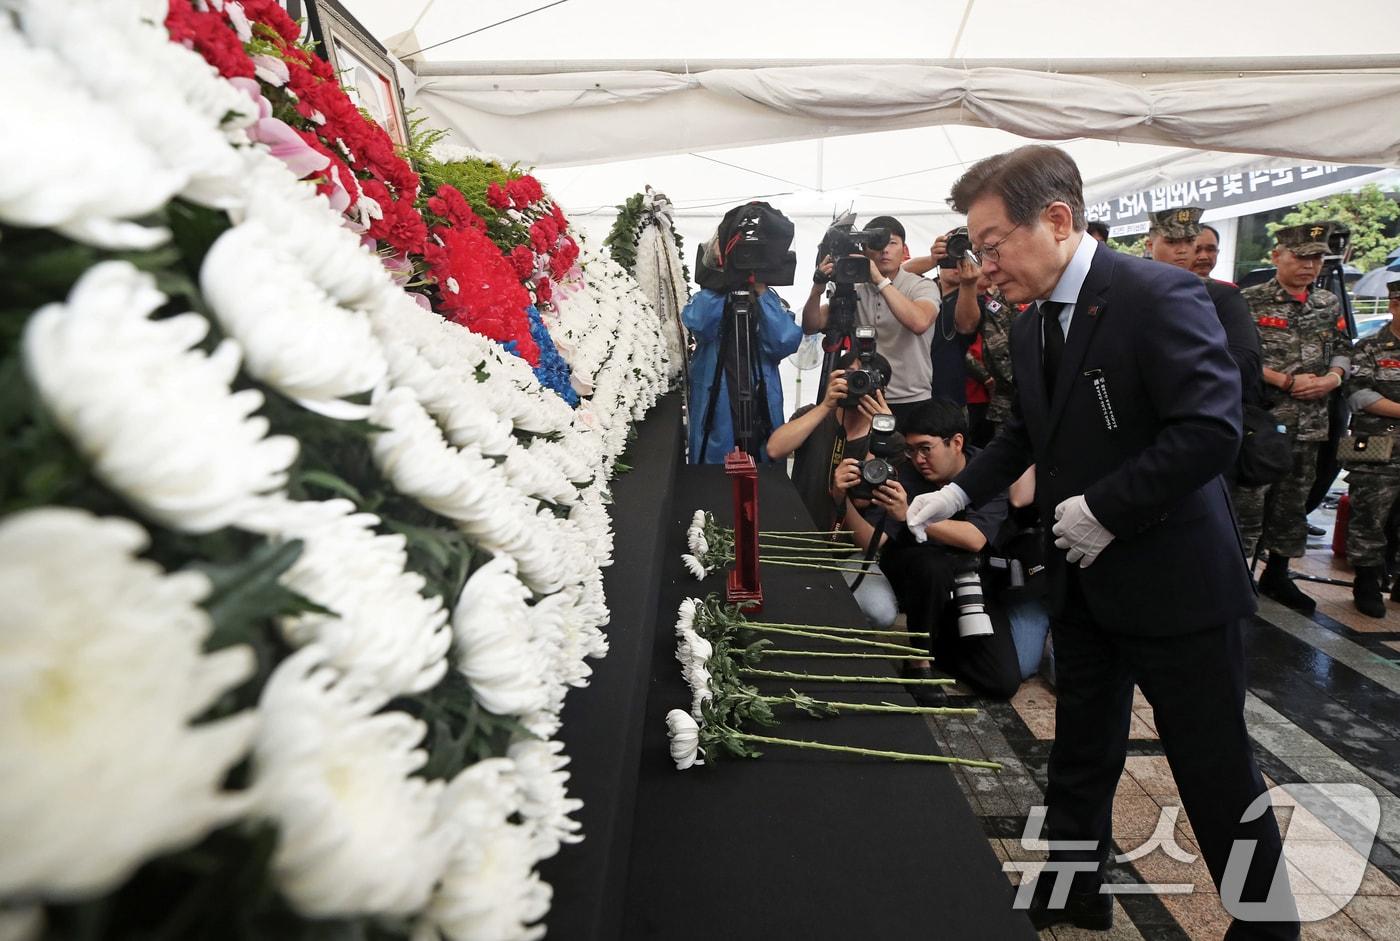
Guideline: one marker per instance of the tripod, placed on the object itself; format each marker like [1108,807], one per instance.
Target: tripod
[748,392]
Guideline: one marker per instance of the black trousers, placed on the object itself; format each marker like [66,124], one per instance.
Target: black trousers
[1196,685]
[922,579]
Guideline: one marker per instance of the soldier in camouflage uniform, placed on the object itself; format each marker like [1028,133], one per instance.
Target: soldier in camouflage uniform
[1374,392]
[1304,357]
[996,359]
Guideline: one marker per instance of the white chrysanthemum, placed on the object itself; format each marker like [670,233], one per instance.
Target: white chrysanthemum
[102,671]
[695,539]
[685,614]
[155,415]
[698,678]
[545,803]
[300,224]
[383,633]
[464,486]
[490,891]
[497,649]
[294,336]
[684,733]
[177,102]
[694,566]
[49,182]
[357,832]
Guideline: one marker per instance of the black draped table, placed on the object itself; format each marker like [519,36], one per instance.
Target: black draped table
[793,845]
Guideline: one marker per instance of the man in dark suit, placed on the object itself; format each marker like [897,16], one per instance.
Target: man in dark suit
[1130,410]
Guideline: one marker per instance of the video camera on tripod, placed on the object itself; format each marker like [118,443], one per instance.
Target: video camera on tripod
[845,245]
[750,247]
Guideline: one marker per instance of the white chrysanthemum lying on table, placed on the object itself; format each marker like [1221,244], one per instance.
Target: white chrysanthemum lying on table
[101,674]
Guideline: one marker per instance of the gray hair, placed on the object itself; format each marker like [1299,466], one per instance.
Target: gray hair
[1027,179]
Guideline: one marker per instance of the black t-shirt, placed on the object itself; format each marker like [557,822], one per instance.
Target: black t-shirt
[813,465]
[949,351]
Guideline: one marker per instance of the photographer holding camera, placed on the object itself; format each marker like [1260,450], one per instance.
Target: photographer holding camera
[936,582]
[960,312]
[837,427]
[899,304]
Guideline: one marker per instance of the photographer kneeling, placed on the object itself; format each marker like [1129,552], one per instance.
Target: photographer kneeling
[924,575]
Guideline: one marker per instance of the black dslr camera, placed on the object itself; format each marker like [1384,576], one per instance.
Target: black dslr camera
[874,373]
[878,467]
[959,247]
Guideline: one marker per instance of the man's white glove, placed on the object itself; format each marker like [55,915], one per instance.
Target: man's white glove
[1078,531]
[944,503]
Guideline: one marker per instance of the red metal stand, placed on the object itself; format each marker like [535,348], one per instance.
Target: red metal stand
[743,587]
[1339,532]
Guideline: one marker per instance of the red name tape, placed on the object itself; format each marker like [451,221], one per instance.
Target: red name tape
[1388,364]
[1277,322]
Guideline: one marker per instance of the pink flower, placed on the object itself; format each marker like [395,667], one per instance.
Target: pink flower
[287,146]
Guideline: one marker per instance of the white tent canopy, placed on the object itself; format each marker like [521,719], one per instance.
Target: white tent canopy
[833,102]
[823,105]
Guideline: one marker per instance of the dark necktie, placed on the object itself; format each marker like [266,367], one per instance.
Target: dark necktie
[1054,342]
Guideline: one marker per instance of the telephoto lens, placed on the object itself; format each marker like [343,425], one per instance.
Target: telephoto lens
[972,611]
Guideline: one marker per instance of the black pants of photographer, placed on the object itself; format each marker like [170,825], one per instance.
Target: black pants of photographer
[922,579]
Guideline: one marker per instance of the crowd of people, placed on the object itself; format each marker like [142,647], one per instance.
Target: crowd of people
[1096,449]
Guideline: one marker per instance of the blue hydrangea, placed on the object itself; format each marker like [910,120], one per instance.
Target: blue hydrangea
[552,371]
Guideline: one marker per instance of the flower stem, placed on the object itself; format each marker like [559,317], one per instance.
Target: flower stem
[825,568]
[835,630]
[841,654]
[872,752]
[792,532]
[815,550]
[881,707]
[900,648]
[830,678]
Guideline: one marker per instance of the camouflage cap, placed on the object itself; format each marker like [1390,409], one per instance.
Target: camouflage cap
[1184,222]
[1310,238]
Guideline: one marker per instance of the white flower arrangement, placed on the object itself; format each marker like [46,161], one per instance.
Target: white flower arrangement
[490,891]
[47,182]
[295,337]
[155,416]
[357,829]
[469,434]
[360,576]
[119,52]
[101,675]
[545,803]
[498,649]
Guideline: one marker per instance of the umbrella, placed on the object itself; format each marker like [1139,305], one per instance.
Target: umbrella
[1373,283]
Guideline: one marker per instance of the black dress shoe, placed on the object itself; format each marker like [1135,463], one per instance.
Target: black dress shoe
[1316,530]
[925,694]
[1092,911]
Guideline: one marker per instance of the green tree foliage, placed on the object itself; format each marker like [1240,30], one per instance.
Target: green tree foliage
[1136,247]
[1370,212]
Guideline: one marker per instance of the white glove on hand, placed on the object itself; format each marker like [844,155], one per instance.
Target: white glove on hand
[944,503]
[1078,531]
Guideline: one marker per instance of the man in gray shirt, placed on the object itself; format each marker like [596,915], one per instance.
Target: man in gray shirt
[900,305]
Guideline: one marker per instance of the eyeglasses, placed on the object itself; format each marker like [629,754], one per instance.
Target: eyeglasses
[992,250]
[924,451]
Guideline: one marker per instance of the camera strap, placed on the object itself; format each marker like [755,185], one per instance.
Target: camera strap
[878,522]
